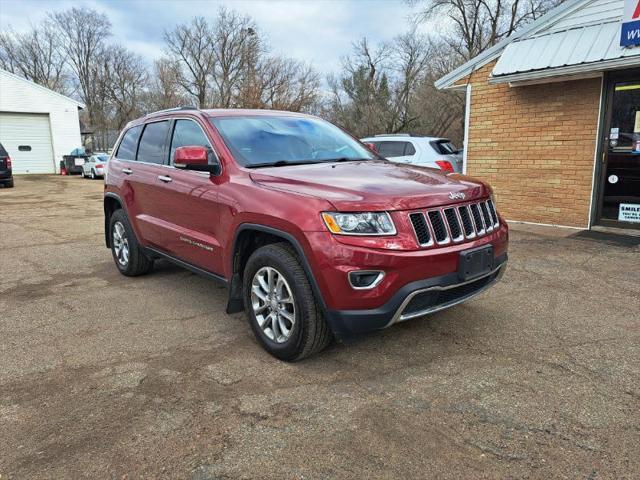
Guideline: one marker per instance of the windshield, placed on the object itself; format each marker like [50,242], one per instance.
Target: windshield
[270,140]
[102,158]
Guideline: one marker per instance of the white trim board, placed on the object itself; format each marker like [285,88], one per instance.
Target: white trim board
[467,118]
[595,154]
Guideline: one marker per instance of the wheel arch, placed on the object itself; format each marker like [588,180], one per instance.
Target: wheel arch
[112,202]
[247,239]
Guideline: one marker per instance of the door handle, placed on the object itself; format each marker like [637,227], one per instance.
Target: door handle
[127,171]
[164,178]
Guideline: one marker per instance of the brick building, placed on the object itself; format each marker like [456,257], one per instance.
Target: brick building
[553,118]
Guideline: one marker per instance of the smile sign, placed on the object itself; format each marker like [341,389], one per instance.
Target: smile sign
[630,33]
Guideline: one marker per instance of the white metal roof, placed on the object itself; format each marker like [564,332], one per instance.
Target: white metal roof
[572,51]
[576,38]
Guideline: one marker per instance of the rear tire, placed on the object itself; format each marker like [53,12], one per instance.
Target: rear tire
[287,340]
[9,184]
[127,252]
[93,174]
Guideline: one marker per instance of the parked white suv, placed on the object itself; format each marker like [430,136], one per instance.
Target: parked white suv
[431,152]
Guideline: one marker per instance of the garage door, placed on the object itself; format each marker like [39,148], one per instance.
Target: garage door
[27,138]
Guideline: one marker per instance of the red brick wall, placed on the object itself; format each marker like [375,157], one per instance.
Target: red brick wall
[535,145]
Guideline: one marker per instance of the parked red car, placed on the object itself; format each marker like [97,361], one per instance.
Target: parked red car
[313,233]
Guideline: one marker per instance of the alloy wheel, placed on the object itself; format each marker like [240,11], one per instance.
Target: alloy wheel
[120,244]
[273,304]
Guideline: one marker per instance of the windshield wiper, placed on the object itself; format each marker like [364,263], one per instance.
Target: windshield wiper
[283,163]
[346,159]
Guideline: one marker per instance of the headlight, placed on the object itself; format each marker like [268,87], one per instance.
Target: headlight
[369,223]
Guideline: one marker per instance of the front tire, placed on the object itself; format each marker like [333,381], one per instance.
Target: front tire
[127,252]
[281,307]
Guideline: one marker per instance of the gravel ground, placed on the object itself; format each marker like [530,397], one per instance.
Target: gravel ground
[104,376]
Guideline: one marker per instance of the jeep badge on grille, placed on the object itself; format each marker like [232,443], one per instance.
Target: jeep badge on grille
[457,195]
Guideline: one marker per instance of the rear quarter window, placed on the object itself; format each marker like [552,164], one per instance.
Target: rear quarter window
[3,152]
[129,144]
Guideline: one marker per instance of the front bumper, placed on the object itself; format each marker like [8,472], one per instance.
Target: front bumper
[415,299]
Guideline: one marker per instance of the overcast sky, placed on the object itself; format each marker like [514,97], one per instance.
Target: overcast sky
[317,31]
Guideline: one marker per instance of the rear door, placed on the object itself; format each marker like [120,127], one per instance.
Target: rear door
[188,203]
[398,151]
[139,178]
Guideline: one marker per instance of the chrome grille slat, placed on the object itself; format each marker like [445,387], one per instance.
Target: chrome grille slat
[467,222]
[455,223]
[494,215]
[488,221]
[421,229]
[440,231]
[477,219]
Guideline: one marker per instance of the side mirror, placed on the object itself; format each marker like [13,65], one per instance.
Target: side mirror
[371,146]
[196,158]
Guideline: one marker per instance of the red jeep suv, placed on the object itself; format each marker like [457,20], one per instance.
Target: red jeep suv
[313,233]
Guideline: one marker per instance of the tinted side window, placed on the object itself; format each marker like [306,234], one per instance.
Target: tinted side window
[409,149]
[127,148]
[152,142]
[187,133]
[392,149]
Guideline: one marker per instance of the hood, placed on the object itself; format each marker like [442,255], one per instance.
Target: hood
[372,185]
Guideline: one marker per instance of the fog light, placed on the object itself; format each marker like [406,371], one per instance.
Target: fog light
[365,279]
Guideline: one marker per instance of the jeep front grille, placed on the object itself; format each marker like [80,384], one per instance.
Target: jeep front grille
[453,224]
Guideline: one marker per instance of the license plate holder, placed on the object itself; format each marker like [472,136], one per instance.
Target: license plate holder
[476,262]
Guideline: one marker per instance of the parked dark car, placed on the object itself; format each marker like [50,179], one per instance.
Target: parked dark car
[6,173]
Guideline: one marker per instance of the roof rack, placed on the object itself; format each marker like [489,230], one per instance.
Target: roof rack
[399,135]
[174,109]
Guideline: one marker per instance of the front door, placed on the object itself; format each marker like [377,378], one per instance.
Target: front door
[619,203]
[188,204]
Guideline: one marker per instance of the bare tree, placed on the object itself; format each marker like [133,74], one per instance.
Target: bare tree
[164,90]
[440,112]
[126,78]
[361,95]
[35,55]
[389,89]
[83,33]
[410,59]
[237,49]
[287,84]
[226,64]
[191,46]
[478,24]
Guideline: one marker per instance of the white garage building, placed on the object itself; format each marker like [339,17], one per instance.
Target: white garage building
[37,125]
